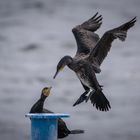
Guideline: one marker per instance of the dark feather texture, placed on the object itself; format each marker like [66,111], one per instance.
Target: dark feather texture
[91,52]
[63,130]
[104,44]
[99,100]
[85,37]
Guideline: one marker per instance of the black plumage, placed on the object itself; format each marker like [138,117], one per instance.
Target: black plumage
[63,130]
[91,51]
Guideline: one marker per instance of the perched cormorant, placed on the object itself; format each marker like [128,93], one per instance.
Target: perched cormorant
[63,131]
[91,51]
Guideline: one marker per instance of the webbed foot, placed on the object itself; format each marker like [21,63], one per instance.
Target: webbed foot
[82,98]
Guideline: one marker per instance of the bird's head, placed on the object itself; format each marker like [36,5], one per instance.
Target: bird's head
[46,91]
[66,60]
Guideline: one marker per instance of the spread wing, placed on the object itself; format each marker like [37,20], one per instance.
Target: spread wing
[84,34]
[104,44]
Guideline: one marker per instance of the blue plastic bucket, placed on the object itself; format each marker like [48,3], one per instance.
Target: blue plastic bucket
[44,126]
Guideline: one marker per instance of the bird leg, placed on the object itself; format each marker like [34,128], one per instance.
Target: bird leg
[90,94]
[81,98]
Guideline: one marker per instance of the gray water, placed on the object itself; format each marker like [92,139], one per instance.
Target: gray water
[34,35]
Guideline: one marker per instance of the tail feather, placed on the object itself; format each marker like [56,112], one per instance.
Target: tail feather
[77,131]
[99,100]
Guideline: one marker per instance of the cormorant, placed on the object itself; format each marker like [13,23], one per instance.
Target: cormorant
[91,51]
[63,131]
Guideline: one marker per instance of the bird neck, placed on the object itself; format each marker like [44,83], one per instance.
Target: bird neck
[71,64]
[38,106]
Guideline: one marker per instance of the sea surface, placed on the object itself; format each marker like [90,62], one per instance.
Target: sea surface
[34,35]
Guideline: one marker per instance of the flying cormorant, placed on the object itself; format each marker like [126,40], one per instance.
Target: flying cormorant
[63,131]
[91,51]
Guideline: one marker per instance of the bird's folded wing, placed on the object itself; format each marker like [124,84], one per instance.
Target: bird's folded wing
[46,111]
[104,44]
[84,34]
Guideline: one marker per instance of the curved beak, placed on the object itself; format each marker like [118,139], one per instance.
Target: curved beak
[55,74]
[49,88]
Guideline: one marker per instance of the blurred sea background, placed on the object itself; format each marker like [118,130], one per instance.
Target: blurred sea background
[34,35]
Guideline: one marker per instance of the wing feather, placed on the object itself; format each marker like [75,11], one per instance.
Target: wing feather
[104,44]
[85,37]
